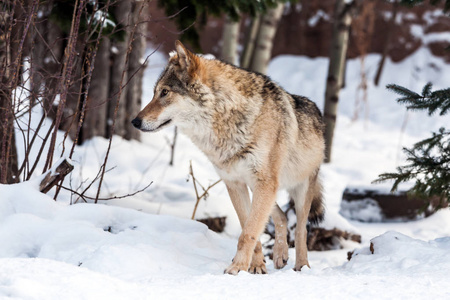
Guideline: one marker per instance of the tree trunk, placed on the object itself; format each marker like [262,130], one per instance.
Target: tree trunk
[264,42]
[10,37]
[249,44]
[71,112]
[95,115]
[136,69]
[46,63]
[230,38]
[8,152]
[387,42]
[119,74]
[338,51]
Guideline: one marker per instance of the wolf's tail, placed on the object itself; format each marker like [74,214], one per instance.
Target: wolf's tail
[317,211]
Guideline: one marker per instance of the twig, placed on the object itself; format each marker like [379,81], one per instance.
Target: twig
[172,146]
[205,193]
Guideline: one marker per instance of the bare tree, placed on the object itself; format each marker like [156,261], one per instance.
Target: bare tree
[15,20]
[106,70]
[362,30]
[338,51]
[387,41]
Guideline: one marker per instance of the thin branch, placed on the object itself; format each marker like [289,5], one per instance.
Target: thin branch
[84,197]
[116,109]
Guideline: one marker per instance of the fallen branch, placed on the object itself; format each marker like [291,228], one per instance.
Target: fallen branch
[55,175]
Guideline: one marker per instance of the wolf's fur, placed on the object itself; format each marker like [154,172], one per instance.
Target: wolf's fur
[256,135]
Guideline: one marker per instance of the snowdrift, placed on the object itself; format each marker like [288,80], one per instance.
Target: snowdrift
[50,250]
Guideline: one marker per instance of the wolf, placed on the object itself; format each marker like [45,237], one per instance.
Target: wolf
[257,136]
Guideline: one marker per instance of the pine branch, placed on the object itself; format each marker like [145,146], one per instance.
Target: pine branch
[428,165]
[432,101]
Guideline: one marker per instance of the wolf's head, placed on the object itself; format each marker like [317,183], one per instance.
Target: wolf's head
[179,93]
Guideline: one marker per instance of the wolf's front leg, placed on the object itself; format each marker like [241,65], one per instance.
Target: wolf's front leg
[240,198]
[263,200]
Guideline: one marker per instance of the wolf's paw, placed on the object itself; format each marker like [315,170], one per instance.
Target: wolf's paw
[298,266]
[280,255]
[258,264]
[258,269]
[235,268]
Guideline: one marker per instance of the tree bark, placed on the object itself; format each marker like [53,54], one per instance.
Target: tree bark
[249,44]
[230,41]
[71,111]
[119,74]
[136,69]
[264,42]
[338,51]
[95,115]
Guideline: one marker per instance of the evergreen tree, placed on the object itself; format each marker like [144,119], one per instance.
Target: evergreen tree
[188,13]
[428,161]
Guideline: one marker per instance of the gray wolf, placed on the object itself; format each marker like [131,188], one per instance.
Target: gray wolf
[256,135]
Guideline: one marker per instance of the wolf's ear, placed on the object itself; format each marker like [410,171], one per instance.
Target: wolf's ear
[185,59]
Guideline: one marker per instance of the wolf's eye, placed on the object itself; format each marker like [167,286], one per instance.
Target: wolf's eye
[164,92]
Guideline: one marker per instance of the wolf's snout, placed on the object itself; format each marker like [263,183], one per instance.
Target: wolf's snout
[137,123]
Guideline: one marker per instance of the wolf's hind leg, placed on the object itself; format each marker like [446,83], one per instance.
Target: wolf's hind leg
[240,198]
[302,207]
[280,247]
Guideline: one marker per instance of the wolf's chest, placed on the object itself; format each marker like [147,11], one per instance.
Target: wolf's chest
[241,171]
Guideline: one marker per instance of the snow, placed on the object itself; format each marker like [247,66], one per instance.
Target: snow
[146,246]
[86,251]
[320,14]
[103,18]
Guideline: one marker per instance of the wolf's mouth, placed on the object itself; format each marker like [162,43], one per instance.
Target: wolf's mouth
[163,124]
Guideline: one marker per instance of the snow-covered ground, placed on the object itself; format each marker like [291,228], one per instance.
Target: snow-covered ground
[145,246]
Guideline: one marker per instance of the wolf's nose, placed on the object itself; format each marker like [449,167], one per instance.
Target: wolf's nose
[137,123]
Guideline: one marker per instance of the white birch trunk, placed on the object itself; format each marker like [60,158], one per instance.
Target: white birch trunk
[230,41]
[264,42]
[249,45]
